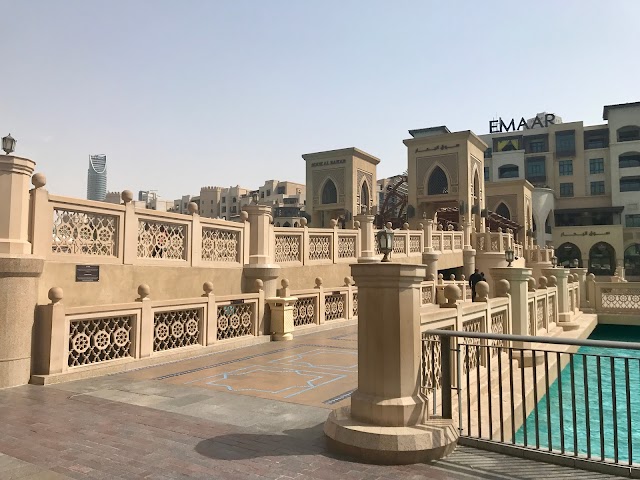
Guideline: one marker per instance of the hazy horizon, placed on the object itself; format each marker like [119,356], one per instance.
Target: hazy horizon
[180,95]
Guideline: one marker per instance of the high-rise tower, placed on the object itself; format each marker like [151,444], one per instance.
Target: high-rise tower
[97,177]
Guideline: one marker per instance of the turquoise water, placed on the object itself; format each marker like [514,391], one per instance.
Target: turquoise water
[603,332]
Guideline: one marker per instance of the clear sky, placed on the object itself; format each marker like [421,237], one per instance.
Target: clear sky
[182,94]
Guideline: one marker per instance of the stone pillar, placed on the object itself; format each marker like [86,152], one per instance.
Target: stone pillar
[565,314]
[466,241]
[388,419]
[430,259]
[19,272]
[367,238]
[518,279]
[428,229]
[581,275]
[469,261]
[15,180]
[261,264]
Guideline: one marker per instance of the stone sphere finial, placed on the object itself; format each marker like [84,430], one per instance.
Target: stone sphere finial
[144,290]
[259,284]
[207,287]
[502,287]
[452,293]
[499,229]
[348,281]
[388,225]
[192,208]
[531,284]
[244,216]
[482,290]
[318,282]
[543,282]
[430,277]
[55,294]
[304,221]
[452,277]
[440,278]
[333,222]
[463,277]
[421,226]
[405,226]
[439,227]
[126,196]
[284,283]
[38,180]
[591,277]
[356,224]
[552,281]
[450,227]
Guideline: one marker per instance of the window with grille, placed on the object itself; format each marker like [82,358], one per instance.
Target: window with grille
[597,188]
[565,167]
[566,189]
[596,165]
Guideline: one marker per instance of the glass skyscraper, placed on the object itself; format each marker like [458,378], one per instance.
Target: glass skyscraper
[97,177]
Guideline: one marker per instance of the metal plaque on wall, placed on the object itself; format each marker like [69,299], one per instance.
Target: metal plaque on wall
[87,273]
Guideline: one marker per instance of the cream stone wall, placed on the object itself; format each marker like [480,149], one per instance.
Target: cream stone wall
[517,195]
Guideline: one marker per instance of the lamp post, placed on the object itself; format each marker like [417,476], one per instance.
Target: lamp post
[554,261]
[8,144]
[385,241]
[509,257]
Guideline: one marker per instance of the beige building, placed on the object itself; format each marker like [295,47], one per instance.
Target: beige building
[586,184]
[340,182]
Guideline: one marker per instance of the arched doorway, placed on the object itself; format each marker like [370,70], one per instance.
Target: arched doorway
[438,183]
[476,202]
[364,195]
[566,253]
[503,211]
[602,259]
[632,260]
[329,193]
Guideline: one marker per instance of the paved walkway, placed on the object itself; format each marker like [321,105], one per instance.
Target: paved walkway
[251,413]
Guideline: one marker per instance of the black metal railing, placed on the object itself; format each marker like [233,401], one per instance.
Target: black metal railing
[565,397]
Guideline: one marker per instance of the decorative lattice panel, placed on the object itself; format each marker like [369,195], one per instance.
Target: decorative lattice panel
[446,243]
[399,244]
[551,315]
[83,233]
[497,327]
[161,240]
[176,329]
[235,320]
[220,245]
[99,339]
[347,247]
[481,243]
[540,314]
[414,244]
[457,243]
[531,319]
[354,303]
[495,246]
[319,247]
[304,312]
[431,362]
[334,306]
[427,295]
[471,354]
[435,241]
[288,248]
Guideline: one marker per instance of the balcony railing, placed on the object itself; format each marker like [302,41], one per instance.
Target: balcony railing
[569,400]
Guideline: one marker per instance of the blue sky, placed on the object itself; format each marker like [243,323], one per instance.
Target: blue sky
[181,94]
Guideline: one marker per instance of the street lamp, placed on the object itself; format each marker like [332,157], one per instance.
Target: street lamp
[509,256]
[8,144]
[554,261]
[385,241]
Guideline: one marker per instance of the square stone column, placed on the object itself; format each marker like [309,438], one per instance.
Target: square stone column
[15,179]
[581,273]
[565,314]
[518,279]
[367,238]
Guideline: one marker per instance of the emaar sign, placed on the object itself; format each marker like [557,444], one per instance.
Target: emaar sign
[499,126]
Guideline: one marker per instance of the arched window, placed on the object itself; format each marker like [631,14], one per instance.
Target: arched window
[602,259]
[628,133]
[566,253]
[286,224]
[364,195]
[438,183]
[295,224]
[503,211]
[629,160]
[632,260]
[508,171]
[329,192]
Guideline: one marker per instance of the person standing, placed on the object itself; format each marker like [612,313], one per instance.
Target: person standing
[473,281]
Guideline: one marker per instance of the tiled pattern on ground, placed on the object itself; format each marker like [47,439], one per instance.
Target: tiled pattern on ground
[132,426]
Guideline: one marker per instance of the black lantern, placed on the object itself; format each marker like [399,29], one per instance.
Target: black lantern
[385,241]
[8,144]
[554,261]
[509,256]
